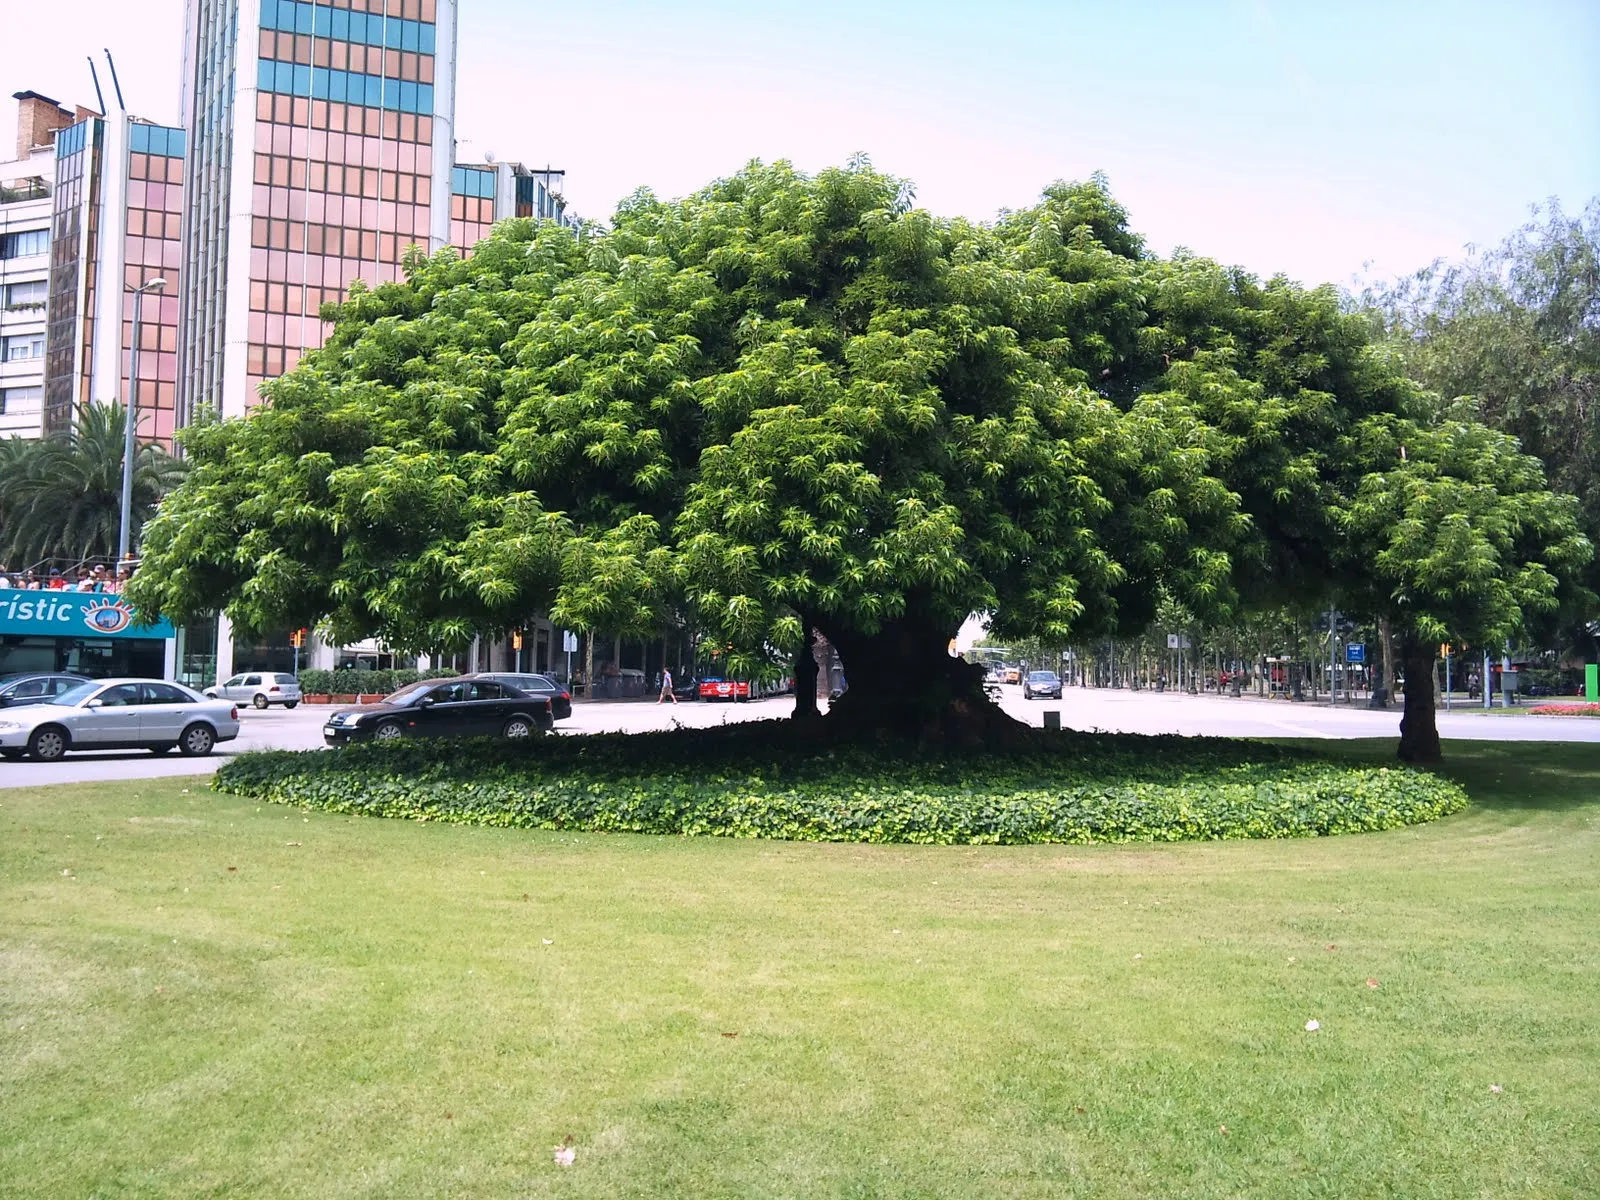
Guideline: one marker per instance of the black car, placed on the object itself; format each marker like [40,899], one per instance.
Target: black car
[1041,683]
[39,687]
[535,685]
[443,708]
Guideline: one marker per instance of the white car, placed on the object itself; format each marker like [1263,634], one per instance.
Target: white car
[118,714]
[259,689]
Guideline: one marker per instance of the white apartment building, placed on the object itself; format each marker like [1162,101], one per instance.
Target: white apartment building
[26,183]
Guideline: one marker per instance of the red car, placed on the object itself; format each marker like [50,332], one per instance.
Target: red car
[724,689]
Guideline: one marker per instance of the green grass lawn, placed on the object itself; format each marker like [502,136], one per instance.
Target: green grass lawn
[199,995]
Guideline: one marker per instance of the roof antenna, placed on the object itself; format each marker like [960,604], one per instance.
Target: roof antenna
[121,107]
[95,75]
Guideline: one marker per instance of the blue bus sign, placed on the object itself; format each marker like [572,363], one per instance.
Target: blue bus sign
[1355,652]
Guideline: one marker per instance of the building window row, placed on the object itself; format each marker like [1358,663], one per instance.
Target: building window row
[322,115]
[472,181]
[337,240]
[347,56]
[21,347]
[155,139]
[344,87]
[157,168]
[348,24]
[16,400]
[31,293]
[337,179]
[294,299]
[25,243]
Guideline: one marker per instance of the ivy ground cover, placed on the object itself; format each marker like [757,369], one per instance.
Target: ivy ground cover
[765,780]
[201,994]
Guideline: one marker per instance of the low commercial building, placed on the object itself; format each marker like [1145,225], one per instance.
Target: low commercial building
[86,633]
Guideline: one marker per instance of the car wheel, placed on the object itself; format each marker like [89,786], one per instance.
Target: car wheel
[161,749]
[197,741]
[260,701]
[389,731]
[47,744]
[290,703]
[518,727]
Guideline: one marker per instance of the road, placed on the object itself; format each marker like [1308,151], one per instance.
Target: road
[1118,711]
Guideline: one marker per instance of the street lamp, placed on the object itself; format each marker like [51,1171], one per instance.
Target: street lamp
[131,413]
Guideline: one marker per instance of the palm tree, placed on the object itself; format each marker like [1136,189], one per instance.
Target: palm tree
[61,496]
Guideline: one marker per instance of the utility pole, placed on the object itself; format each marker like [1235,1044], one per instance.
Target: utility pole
[131,419]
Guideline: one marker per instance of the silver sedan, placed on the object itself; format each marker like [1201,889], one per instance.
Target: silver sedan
[118,714]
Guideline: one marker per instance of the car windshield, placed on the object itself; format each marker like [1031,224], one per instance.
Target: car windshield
[1041,676]
[409,694]
[77,695]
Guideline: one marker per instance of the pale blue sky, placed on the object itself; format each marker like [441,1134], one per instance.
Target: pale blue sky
[1309,137]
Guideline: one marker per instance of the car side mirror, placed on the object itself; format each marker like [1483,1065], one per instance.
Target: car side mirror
[425,702]
[96,703]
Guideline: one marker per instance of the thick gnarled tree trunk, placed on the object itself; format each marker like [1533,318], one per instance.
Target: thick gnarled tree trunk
[903,683]
[1419,728]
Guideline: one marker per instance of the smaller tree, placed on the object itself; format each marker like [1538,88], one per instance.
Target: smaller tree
[1452,533]
[61,496]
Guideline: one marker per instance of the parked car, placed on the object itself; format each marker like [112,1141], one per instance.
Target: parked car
[35,687]
[259,689]
[118,714]
[443,708]
[1041,683]
[535,685]
[1010,674]
[724,689]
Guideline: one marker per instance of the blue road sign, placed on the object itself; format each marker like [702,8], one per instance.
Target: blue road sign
[1355,652]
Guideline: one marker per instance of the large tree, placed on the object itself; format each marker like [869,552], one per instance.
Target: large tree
[794,404]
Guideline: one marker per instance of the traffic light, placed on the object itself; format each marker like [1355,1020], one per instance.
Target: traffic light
[297,639]
[516,640]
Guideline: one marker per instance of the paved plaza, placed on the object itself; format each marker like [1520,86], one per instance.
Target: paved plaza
[1091,708]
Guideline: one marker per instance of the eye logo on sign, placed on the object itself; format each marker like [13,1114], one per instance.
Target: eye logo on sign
[108,616]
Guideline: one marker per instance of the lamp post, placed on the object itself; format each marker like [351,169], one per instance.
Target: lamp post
[131,415]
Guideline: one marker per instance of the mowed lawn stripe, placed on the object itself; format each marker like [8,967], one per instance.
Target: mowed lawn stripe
[392,1008]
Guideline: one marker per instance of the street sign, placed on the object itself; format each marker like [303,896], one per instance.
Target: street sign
[1355,652]
[569,642]
[1177,641]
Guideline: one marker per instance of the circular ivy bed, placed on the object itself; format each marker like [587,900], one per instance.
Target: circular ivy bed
[766,780]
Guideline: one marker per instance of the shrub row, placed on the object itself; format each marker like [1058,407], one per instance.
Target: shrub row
[351,682]
[1106,788]
[1566,710]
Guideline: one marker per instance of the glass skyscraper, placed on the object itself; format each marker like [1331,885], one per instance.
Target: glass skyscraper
[322,143]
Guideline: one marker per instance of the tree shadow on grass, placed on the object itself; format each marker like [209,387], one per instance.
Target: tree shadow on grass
[1530,776]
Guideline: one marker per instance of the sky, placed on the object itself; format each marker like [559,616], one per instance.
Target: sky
[1329,142]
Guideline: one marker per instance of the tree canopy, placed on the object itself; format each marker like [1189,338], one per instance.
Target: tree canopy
[790,403]
[61,496]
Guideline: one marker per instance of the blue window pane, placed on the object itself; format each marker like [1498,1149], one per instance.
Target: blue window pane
[408,97]
[178,140]
[337,83]
[322,21]
[425,97]
[374,91]
[302,18]
[408,36]
[358,27]
[339,24]
[425,39]
[319,83]
[269,14]
[138,141]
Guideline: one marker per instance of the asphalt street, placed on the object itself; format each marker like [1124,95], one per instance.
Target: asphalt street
[1080,708]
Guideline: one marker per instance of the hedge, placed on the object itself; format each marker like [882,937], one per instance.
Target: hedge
[731,782]
[352,682]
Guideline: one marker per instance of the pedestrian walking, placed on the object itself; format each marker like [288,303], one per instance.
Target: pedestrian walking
[666,688]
